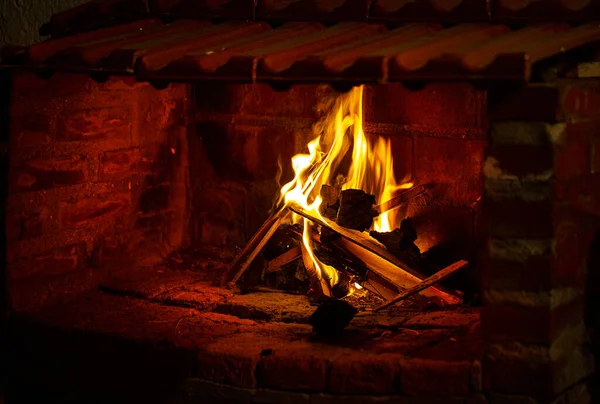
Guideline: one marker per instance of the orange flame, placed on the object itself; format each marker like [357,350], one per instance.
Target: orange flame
[371,169]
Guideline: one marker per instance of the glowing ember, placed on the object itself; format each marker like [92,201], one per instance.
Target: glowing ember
[371,169]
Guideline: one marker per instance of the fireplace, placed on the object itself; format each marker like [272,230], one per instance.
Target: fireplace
[148,155]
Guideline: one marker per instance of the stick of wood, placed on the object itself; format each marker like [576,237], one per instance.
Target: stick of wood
[253,247]
[401,199]
[378,259]
[317,281]
[276,263]
[432,280]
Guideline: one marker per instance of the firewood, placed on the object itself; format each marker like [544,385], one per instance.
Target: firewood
[402,198]
[289,256]
[331,201]
[253,247]
[319,284]
[426,283]
[356,210]
[379,260]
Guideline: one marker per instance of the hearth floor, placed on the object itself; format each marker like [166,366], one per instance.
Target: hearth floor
[175,330]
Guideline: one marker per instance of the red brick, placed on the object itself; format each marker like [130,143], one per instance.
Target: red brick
[33,124]
[155,222]
[455,166]
[119,164]
[522,160]
[57,261]
[440,109]
[573,156]
[91,210]
[98,123]
[530,103]
[537,377]
[581,101]
[364,374]
[232,361]
[519,219]
[43,174]
[425,377]
[261,100]
[536,273]
[26,225]
[595,156]
[249,152]
[27,85]
[294,367]
[155,199]
[540,324]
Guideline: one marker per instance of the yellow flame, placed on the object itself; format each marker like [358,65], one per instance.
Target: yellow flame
[371,169]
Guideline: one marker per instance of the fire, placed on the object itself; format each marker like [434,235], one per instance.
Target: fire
[371,169]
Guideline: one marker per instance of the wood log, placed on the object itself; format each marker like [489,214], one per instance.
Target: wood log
[318,283]
[426,283]
[378,259]
[253,247]
[402,198]
[289,256]
[356,210]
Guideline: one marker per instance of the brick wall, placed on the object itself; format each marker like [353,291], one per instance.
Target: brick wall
[438,134]
[541,204]
[97,176]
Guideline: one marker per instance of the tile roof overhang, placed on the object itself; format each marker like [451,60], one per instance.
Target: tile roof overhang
[377,47]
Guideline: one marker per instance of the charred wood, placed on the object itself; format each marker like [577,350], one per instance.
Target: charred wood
[356,210]
[331,202]
[331,317]
[402,198]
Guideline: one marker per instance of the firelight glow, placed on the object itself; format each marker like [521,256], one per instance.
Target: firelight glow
[371,169]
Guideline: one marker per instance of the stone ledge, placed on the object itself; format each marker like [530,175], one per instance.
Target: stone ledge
[248,353]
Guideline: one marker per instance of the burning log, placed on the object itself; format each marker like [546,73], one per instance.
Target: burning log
[427,283]
[287,257]
[403,198]
[379,260]
[254,246]
[356,210]
[331,202]
[319,284]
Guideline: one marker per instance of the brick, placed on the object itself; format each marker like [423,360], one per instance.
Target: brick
[525,133]
[454,166]
[232,360]
[538,324]
[249,152]
[529,371]
[26,225]
[534,273]
[425,377]
[440,109]
[537,102]
[522,160]
[261,100]
[364,374]
[154,199]
[36,175]
[28,86]
[96,124]
[296,366]
[155,222]
[573,157]
[58,261]
[92,210]
[581,100]
[33,124]
[507,219]
[120,164]
[595,156]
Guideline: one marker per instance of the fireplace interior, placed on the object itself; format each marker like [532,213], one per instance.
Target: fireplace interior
[156,251]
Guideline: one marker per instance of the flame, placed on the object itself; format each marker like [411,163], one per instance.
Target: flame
[370,169]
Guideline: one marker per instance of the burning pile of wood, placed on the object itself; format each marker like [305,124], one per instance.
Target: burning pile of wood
[388,264]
